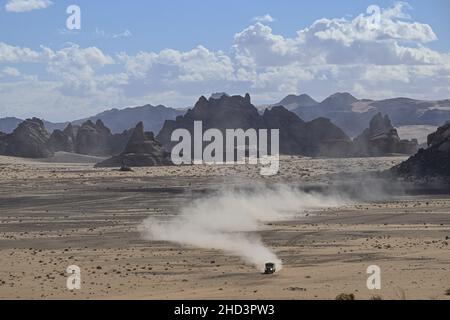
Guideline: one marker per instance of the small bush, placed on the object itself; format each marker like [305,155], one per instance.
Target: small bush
[345,296]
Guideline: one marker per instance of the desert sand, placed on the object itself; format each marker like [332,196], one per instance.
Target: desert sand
[55,214]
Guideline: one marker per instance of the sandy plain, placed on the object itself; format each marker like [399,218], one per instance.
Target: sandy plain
[56,213]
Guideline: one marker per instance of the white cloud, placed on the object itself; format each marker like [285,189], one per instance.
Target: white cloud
[264,19]
[196,65]
[26,5]
[394,24]
[10,71]
[125,34]
[330,55]
[258,46]
[10,53]
[341,41]
[77,67]
[121,35]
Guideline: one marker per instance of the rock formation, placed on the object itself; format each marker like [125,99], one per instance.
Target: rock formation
[63,140]
[3,142]
[431,162]
[119,141]
[237,112]
[142,150]
[28,140]
[305,138]
[93,139]
[380,139]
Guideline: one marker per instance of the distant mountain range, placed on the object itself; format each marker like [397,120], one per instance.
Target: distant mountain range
[7,125]
[353,115]
[153,118]
[318,137]
[349,113]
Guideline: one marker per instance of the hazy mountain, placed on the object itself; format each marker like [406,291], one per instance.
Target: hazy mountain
[292,101]
[117,120]
[353,115]
[7,125]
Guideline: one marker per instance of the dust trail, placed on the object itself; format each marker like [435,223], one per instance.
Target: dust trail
[228,221]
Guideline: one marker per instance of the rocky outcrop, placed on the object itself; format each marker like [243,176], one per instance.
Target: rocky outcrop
[89,139]
[3,142]
[142,150]
[324,138]
[63,140]
[93,139]
[431,162]
[305,138]
[28,140]
[292,129]
[440,138]
[237,112]
[380,139]
[119,141]
[226,112]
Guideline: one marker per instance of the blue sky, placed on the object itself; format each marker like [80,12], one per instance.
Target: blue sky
[171,52]
[181,24]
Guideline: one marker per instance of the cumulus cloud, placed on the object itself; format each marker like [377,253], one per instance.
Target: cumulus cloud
[264,19]
[199,69]
[341,41]
[10,53]
[10,71]
[386,59]
[392,24]
[384,55]
[26,5]
[120,35]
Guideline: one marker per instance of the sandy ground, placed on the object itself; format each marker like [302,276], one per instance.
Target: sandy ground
[53,215]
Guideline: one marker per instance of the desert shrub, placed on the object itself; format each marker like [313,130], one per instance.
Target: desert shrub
[345,296]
